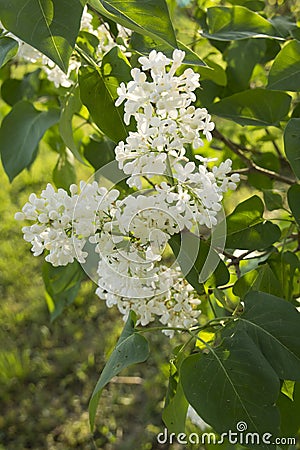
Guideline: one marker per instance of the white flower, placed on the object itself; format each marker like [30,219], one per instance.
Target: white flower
[166,121]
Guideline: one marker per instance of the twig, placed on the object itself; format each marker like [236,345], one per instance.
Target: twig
[251,165]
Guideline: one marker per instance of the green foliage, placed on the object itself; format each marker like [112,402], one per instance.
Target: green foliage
[285,71]
[134,15]
[131,348]
[71,105]
[8,49]
[62,286]
[22,130]
[56,25]
[198,261]
[292,144]
[254,107]
[239,380]
[237,22]
[293,199]
[246,228]
[98,91]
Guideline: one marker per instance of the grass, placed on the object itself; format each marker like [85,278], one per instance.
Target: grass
[48,370]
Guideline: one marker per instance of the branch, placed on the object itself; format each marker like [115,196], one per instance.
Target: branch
[251,165]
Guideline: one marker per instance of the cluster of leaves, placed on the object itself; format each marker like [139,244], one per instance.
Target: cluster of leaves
[247,359]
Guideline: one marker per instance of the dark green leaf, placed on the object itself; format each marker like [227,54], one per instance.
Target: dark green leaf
[285,70]
[246,229]
[267,161]
[20,133]
[131,348]
[101,155]
[98,91]
[237,22]
[261,279]
[225,386]
[292,144]
[198,261]
[241,57]
[174,413]
[64,173]
[255,5]
[147,17]
[289,411]
[62,285]
[254,107]
[51,27]
[274,325]
[285,266]
[14,90]
[293,196]
[272,200]
[240,379]
[213,72]
[8,49]
[285,25]
[144,45]
[71,105]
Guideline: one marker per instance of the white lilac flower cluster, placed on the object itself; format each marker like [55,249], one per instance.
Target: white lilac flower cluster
[130,234]
[29,54]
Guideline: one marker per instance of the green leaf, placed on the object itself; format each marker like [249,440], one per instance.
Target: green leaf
[62,285]
[273,324]
[212,71]
[240,379]
[144,45]
[246,229]
[260,279]
[225,386]
[49,26]
[255,5]
[289,411]
[8,49]
[148,18]
[272,200]
[174,413]
[241,57]
[285,266]
[20,133]
[292,144]
[64,173]
[101,155]
[71,105]
[198,261]
[285,25]
[131,348]
[14,90]
[237,22]
[253,107]
[293,196]
[98,91]
[285,70]
[267,161]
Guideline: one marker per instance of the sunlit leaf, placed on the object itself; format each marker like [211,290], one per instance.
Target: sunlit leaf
[49,26]
[237,22]
[285,70]
[147,17]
